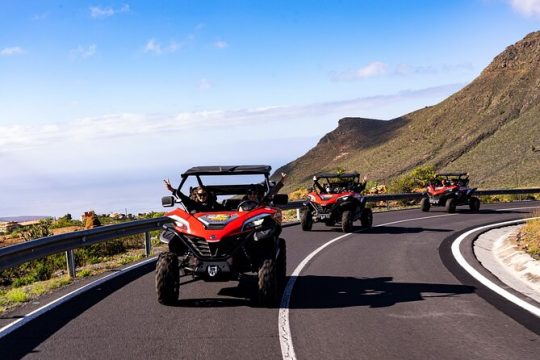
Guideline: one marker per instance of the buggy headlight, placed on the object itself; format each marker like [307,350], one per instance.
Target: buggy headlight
[343,198]
[255,222]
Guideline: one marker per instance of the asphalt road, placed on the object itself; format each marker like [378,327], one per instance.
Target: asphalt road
[391,292]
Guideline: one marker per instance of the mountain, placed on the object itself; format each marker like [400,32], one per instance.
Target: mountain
[490,129]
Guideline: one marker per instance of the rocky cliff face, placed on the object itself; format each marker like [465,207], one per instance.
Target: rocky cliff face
[488,128]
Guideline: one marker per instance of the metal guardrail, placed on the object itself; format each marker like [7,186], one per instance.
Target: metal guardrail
[20,253]
[14,255]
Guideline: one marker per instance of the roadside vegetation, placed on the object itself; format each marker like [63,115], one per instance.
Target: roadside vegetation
[528,237]
[28,281]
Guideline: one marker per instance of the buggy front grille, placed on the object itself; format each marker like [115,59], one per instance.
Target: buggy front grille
[213,250]
[321,209]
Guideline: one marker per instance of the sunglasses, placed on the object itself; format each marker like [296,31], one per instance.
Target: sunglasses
[202,194]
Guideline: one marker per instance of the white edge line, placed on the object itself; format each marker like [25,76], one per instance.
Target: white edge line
[40,311]
[481,278]
[285,338]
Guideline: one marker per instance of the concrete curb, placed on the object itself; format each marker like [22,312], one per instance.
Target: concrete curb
[497,252]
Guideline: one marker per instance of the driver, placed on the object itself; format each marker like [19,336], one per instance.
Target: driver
[251,199]
[201,201]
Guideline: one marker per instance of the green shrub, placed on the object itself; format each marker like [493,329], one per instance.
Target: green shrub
[414,179]
[17,295]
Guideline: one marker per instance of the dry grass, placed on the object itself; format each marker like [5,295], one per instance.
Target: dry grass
[528,237]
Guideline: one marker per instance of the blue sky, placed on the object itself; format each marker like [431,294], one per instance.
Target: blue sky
[99,101]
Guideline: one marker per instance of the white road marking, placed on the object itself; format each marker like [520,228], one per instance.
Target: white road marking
[285,338]
[36,313]
[481,278]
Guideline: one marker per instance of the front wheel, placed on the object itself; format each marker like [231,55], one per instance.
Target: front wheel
[424,204]
[267,283]
[306,220]
[450,205]
[366,218]
[347,221]
[474,204]
[167,278]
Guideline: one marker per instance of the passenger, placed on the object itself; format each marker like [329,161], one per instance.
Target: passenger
[202,202]
[361,185]
[318,186]
[275,189]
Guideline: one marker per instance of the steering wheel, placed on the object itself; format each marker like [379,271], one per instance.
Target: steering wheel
[247,205]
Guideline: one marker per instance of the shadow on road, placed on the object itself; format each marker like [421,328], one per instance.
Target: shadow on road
[328,292]
[25,339]
[385,230]
[401,230]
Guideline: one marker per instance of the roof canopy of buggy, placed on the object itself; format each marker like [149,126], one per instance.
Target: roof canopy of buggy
[338,175]
[228,170]
[453,174]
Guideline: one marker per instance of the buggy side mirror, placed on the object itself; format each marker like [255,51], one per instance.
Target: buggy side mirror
[281,199]
[167,201]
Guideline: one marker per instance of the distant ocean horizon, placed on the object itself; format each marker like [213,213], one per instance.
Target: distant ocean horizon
[23,218]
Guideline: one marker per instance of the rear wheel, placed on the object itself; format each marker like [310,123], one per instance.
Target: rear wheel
[424,204]
[167,278]
[267,283]
[450,205]
[347,221]
[306,220]
[474,204]
[366,218]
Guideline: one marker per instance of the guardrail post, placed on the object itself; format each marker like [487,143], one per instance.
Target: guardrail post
[147,244]
[70,260]
[387,205]
[298,214]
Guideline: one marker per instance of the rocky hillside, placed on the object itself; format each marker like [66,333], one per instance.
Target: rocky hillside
[490,128]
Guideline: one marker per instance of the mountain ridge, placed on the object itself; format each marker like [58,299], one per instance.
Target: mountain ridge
[487,129]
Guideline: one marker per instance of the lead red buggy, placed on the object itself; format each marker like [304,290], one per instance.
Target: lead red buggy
[242,238]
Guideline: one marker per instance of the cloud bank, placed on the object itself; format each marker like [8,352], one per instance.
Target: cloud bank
[526,7]
[18,137]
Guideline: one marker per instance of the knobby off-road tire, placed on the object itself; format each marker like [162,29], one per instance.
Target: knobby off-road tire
[306,220]
[167,278]
[268,283]
[366,219]
[474,204]
[347,221]
[424,204]
[282,264]
[450,205]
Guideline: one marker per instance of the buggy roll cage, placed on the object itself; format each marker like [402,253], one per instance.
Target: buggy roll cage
[344,179]
[199,171]
[454,177]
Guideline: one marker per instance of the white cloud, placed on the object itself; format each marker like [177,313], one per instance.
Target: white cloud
[19,137]
[373,69]
[83,52]
[103,12]
[154,47]
[221,44]
[204,85]
[377,68]
[526,7]
[11,51]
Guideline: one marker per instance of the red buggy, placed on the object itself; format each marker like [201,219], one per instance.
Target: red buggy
[243,237]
